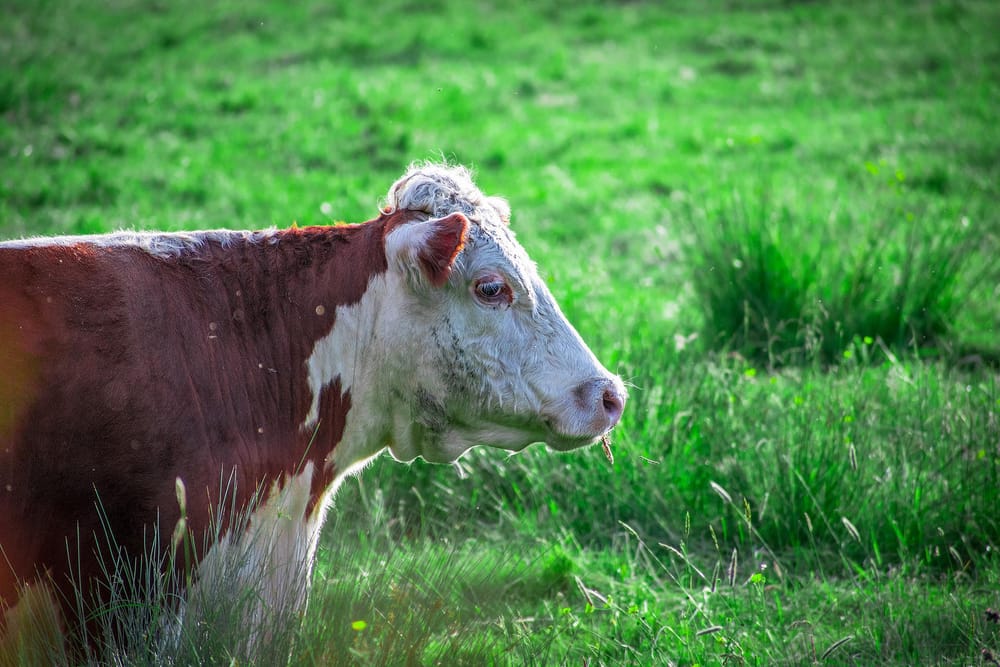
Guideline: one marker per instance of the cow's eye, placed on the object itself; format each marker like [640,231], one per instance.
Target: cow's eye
[490,290]
[493,291]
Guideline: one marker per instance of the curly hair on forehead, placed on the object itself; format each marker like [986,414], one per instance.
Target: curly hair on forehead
[440,189]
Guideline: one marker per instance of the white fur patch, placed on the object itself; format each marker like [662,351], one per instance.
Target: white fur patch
[440,189]
[346,352]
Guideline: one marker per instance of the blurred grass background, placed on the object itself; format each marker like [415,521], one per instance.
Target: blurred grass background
[776,219]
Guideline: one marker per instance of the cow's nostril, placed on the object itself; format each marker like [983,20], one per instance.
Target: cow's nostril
[614,403]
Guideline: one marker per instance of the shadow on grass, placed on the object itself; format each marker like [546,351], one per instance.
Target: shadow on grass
[379,600]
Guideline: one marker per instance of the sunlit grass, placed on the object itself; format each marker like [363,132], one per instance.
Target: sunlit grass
[633,599]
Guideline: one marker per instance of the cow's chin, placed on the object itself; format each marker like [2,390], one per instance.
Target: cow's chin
[565,444]
[451,445]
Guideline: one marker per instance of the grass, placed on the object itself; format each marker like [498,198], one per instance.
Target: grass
[776,220]
[780,289]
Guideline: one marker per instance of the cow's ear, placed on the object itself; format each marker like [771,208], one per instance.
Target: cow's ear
[428,249]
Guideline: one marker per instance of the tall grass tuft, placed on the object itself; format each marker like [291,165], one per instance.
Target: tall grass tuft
[752,290]
[773,285]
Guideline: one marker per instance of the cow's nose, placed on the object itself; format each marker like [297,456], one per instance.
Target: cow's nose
[599,405]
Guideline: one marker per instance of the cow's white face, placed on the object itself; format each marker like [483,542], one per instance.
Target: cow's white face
[480,350]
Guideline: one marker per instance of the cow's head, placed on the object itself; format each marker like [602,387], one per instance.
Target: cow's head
[483,352]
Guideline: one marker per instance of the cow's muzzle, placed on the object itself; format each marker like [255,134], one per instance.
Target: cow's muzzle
[596,408]
[605,399]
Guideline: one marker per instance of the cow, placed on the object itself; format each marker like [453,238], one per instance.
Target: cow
[148,381]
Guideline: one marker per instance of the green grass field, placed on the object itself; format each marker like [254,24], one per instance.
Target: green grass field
[777,220]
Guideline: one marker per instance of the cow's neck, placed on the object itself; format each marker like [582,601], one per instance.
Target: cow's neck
[341,300]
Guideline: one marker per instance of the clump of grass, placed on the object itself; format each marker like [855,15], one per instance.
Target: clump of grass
[775,287]
[752,291]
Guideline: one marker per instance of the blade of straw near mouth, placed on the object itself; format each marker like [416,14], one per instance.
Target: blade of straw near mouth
[606,446]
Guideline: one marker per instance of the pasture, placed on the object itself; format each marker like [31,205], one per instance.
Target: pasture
[777,220]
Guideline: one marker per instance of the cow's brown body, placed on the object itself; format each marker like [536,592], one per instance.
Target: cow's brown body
[123,370]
